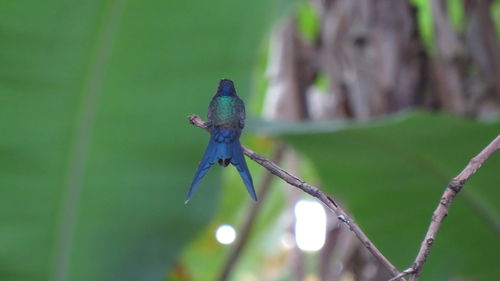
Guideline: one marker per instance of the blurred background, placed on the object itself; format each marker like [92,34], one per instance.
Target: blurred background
[378,103]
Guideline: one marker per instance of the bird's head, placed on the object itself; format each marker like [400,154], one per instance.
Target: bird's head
[226,88]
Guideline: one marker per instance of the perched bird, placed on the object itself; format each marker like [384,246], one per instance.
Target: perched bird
[226,120]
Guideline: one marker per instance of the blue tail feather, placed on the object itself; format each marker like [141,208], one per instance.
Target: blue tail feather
[209,158]
[238,160]
[223,144]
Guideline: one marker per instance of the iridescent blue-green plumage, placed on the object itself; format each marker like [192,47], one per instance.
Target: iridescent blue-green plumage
[226,117]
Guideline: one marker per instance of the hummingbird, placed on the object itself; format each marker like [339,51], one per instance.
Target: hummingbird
[226,120]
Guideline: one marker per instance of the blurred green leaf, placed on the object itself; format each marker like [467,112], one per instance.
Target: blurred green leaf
[261,83]
[456,14]
[322,82]
[495,14]
[424,20]
[391,176]
[96,152]
[308,21]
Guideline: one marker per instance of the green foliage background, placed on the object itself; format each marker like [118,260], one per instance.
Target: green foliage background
[96,154]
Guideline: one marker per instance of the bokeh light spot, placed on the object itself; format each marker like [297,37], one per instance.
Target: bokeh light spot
[310,225]
[225,234]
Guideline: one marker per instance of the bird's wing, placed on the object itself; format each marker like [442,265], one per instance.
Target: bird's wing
[240,108]
[211,110]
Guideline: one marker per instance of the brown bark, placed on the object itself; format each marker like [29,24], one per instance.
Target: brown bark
[484,50]
[374,58]
[373,55]
[290,72]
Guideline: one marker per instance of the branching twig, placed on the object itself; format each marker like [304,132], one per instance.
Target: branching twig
[438,216]
[441,211]
[315,192]
[250,219]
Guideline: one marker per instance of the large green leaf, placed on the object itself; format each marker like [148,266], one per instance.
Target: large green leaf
[390,176]
[96,153]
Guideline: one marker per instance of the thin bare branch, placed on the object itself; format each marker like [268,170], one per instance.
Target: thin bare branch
[402,274]
[315,192]
[441,211]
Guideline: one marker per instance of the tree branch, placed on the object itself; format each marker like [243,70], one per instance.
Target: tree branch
[441,211]
[315,192]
